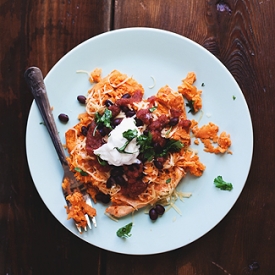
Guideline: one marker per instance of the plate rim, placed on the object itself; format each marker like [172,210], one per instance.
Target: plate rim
[146,29]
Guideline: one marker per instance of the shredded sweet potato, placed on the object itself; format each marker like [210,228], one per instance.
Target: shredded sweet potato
[78,209]
[160,183]
[208,134]
[95,76]
[190,92]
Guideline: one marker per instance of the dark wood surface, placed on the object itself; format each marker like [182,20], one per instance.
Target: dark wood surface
[39,32]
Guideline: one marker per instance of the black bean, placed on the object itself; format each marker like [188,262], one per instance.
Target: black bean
[84,130]
[160,209]
[110,182]
[130,113]
[120,180]
[141,157]
[107,130]
[139,122]
[125,109]
[117,171]
[108,103]
[100,126]
[153,214]
[157,147]
[174,121]
[102,132]
[158,164]
[105,198]
[63,118]
[81,99]
[98,196]
[116,121]
[146,132]
[126,96]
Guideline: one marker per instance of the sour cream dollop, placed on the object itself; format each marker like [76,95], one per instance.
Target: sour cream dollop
[108,152]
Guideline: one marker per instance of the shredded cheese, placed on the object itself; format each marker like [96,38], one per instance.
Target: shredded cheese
[154,83]
[161,183]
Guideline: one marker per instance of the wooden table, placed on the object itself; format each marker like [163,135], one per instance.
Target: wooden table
[240,33]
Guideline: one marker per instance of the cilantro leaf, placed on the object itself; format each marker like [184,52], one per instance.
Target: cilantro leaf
[104,119]
[145,146]
[129,135]
[172,145]
[190,104]
[101,161]
[124,232]
[82,173]
[152,109]
[220,183]
[122,149]
[169,130]
[145,141]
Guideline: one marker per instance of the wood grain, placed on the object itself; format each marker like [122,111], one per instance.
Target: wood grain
[36,33]
[233,32]
[238,32]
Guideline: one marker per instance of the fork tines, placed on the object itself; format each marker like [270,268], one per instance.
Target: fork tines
[87,217]
[89,202]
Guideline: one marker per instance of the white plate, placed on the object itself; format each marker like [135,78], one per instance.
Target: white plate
[167,57]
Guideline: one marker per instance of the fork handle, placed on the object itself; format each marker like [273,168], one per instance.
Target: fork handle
[34,79]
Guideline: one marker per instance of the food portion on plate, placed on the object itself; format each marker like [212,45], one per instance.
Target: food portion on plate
[132,151]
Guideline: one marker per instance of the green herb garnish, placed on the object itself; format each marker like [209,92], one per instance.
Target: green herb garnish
[168,180]
[190,104]
[104,119]
[169,130]
[82,173]
[202,84]
[234,97]
[129,135]
[124,232]
[220,183]
[145,146]
[171,145]
[152,109]
[101,161]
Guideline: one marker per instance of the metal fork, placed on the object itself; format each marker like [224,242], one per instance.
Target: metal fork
[34,78]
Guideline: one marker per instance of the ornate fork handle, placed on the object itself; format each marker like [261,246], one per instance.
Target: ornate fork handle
[34,78]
